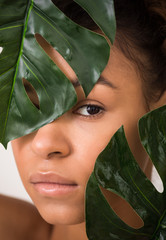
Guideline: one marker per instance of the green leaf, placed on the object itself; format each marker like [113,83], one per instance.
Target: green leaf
[22,57]
[152,128]
[116,170]
[102,12]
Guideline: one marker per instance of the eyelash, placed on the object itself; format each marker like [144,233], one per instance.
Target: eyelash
[93,115]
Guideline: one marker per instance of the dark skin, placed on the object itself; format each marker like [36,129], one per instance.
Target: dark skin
[19,220]
[23,220]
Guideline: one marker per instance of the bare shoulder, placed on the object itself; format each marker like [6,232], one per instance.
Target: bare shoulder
[21,220]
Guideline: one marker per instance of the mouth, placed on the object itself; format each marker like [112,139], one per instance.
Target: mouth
[51,184]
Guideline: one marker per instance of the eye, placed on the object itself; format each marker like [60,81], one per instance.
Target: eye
[89,110]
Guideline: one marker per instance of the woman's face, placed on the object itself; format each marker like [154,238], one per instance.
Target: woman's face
[56,161]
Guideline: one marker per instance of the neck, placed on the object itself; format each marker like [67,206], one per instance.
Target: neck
[69,232]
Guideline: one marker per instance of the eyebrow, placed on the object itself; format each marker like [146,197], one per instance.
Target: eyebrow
[102,80]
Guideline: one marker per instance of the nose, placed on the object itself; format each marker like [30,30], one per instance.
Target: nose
[51,141]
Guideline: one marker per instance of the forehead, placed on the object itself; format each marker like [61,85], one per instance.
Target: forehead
[121,71]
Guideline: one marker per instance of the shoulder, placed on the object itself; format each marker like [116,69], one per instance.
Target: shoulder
[21,220]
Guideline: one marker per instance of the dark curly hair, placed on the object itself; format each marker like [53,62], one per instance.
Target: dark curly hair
[141,36]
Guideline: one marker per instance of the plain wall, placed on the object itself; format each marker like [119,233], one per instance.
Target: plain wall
[10,182]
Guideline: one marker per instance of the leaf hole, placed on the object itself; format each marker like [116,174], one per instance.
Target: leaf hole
[56,57]
[156,180]
[153,176]
[123,209]
[1,50]
[148,168]
[73,11]
[31,92]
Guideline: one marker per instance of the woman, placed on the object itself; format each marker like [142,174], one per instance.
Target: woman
[56,161]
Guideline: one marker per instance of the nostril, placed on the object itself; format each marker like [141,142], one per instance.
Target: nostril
[52,154]
[57,152]
[1,49]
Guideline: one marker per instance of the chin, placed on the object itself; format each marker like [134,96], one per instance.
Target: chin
[61,215]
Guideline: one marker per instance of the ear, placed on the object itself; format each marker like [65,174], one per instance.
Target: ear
[159,103]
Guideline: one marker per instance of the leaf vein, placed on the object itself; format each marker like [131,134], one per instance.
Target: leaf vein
[16,26]
[123,229]
[144,195]
[7,71]
[6,57]
[44,18]
[30,5]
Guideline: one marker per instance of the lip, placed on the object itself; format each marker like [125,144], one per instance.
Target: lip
[51,184]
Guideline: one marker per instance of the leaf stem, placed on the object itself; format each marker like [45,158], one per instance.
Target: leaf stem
[30,6]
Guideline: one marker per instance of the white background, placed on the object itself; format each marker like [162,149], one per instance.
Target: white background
[10,183]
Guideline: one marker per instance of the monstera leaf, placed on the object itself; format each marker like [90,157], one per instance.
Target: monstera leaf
[102,13]
[116,170]
[23,58]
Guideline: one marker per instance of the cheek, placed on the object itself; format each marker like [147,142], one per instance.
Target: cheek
[89,142]
[92,140]
[22,158]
